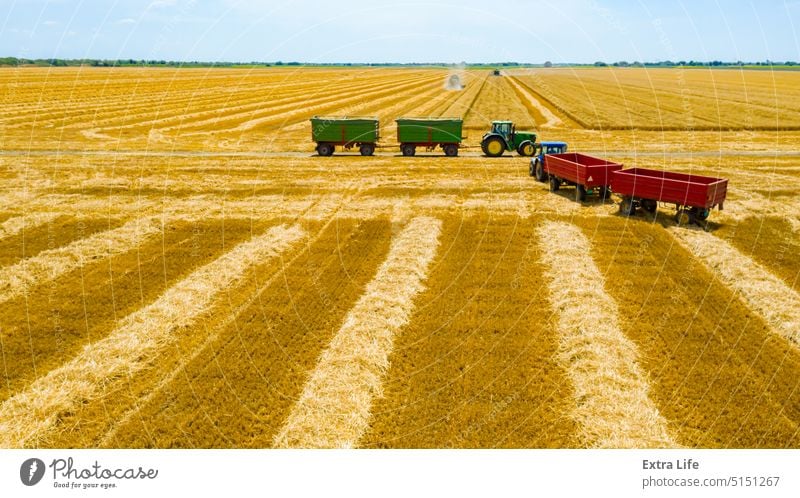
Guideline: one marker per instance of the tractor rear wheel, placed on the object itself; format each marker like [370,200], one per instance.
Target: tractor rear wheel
[494,146]
[627,207]
[408,149]
[555,184]
[366,149]
[580,193]
[450,150]
[325,149]
[540,174]
[525,148]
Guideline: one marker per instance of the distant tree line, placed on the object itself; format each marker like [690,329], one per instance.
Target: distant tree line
[14,61]
[693,63]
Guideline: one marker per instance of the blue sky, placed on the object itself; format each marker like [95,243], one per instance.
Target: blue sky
[401,31]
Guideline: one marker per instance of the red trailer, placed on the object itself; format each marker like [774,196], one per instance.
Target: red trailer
[693,195]
[585,172]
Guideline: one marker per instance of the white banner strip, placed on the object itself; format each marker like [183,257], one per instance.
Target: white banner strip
[389,473]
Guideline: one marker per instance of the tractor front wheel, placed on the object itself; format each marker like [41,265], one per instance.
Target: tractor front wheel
[540,174]
[525,148]
[494,146]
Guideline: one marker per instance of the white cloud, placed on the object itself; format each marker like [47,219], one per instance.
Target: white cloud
[50,23]
[127,20]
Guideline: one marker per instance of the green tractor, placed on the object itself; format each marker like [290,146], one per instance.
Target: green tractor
[503,136]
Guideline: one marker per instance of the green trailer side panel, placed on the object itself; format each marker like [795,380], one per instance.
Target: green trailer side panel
[344,130]
[443,130]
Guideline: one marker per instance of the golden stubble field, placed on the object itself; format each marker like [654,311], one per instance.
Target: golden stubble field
[178,269]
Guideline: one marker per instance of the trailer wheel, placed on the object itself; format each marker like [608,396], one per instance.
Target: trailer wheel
[408,149]
[450,150]
[325,149]
[366,149]
[555,184]
[494,147]
[540,174]
[684,217]
[649,205]
[603,193]
[580,193]
[700,214]
[627,206]
[525,148]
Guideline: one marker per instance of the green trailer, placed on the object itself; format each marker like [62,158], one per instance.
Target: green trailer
[429,133]
[348,132]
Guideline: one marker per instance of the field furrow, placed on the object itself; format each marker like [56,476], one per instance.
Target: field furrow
[476,365]
[85,304]
[238,391]
[612,401]
[717,372]
[765,293]
[19,278]
[28,417]
[46,232]
[498,101]
[19,224]
[333,410]
[772,242]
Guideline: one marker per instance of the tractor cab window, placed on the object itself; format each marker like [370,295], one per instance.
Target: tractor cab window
[502,128]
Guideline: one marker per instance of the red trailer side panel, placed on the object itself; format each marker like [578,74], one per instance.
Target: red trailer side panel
[580,169]
[668,186]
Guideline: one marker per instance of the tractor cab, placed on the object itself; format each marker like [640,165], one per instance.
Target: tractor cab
[543,148]
[536,167]
[503,128]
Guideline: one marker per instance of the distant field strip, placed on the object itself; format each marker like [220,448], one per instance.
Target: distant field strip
[334,409]
[551,119]
[764,292]
[13,226]
[26,418]
[47,265]
[613,407]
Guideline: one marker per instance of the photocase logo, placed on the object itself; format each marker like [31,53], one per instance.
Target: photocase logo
[31,471]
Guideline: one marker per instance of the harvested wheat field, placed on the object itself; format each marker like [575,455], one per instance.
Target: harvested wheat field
[180,269]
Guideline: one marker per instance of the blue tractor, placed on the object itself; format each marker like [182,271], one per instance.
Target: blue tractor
[537,161]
